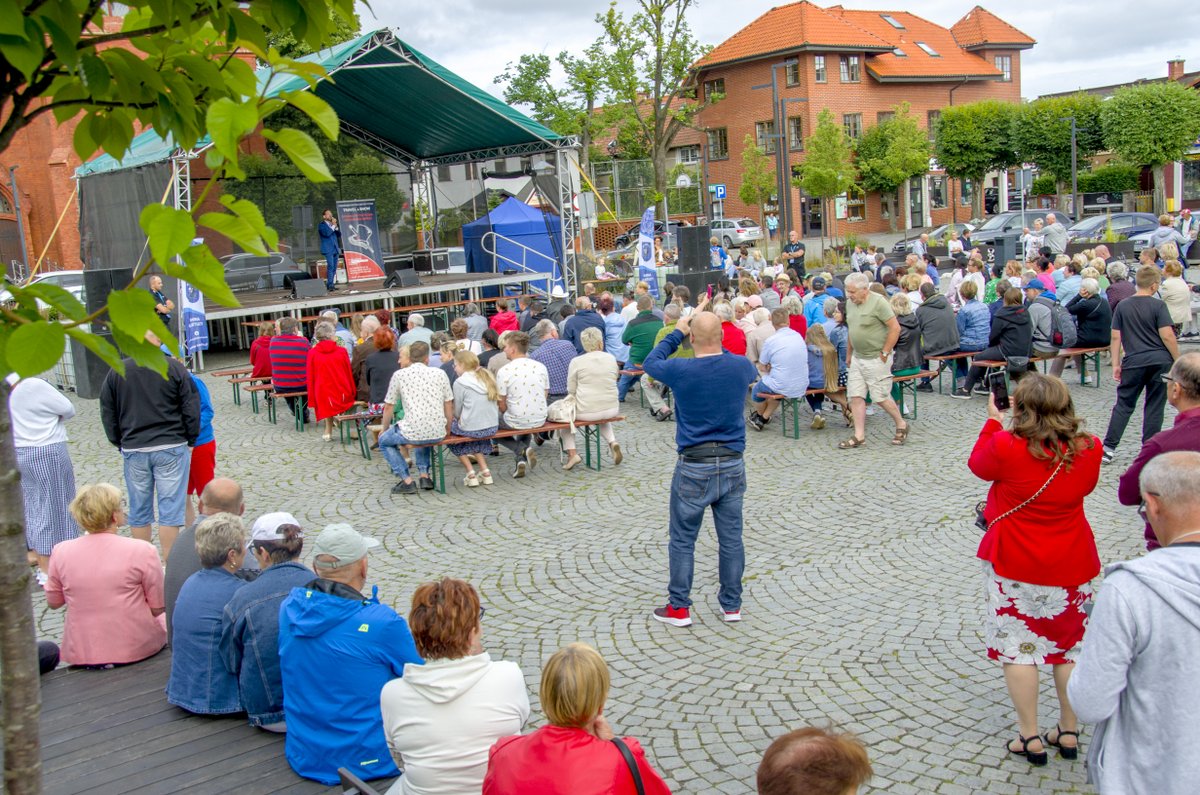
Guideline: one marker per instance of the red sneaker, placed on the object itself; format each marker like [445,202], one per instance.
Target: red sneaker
[675,616]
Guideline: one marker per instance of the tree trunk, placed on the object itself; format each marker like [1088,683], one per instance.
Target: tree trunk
[660,178]
[977,197]
[1160,190]
[893,208]
[19,687]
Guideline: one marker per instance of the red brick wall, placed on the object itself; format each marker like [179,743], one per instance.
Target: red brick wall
[743,106]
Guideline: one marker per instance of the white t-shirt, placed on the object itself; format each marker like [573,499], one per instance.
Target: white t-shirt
[39,413]
[523,384]
[423,392]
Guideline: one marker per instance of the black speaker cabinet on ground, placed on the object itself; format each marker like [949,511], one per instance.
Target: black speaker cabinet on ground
[97,284]
[309,288]
[694,254]
[697,283]
[396,262]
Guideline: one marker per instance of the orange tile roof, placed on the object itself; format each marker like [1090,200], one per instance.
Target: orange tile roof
[980,27]
[951,60]
[790,27]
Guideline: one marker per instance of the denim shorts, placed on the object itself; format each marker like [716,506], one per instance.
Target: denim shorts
[163,473]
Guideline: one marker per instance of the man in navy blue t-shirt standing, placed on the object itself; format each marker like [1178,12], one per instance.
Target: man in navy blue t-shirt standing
[710,392]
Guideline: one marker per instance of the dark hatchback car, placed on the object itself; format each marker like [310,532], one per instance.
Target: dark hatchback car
[275,271]
[1014,222]
[1093,227]
[630,235]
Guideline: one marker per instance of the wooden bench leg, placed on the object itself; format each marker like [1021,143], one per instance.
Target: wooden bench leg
[270,410]
[254,402]
[908,388]
[1083,362]
[237,394]
[302,413]
[364,446]
[438,470]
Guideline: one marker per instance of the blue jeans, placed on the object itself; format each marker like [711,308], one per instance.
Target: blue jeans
[163,472]
[625,383]
[696,486]
[389,444]
[331,260]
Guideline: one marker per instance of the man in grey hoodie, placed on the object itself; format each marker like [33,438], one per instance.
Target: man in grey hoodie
[1136,677]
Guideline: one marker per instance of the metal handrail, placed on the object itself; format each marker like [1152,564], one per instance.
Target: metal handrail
[492,237]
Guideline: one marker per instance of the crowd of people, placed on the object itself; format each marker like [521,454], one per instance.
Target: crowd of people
[252,629]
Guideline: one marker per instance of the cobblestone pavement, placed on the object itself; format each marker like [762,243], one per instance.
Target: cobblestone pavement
[862,602]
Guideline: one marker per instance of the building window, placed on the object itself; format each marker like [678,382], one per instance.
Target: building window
[850,71]
[470,172]
[796,133]
[764,136]
[718,144]
[689,154]
[443,173]
[856,207]
[884,115]
[928,50]
[1004,64]
[853,124]
[713,88]
[499,165]
[891,20]
[5,207]
[793,73]
[1191,180]
[966,190]
[931,120]
[937,193]
[526,163]
[899,53]
[819,68]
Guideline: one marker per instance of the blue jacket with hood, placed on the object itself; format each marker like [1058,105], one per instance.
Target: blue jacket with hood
[337,650]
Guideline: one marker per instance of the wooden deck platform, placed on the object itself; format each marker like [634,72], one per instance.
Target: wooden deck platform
[114,732]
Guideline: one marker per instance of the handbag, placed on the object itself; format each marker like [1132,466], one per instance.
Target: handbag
[985,525]
[562,410]
[631,763]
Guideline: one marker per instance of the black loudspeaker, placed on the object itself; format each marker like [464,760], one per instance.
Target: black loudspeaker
[441,259]
[402,278]
[309,288]
[396,262]
[97,284]
[90,369]
[423,261]
[694,254]
[697,283]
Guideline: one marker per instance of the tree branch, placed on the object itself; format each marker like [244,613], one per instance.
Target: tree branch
[91,42]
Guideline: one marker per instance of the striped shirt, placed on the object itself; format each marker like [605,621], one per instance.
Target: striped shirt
[289,362]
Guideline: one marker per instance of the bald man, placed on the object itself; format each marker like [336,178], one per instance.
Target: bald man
[710,434]
[221,495]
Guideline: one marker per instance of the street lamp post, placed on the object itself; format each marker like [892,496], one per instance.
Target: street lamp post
[1074,170]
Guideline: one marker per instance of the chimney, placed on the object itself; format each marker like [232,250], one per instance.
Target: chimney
[1175,69]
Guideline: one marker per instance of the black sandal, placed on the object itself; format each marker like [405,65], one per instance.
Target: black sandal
[1035,758]
[1065,751]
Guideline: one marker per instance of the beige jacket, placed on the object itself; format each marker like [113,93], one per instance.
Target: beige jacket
[592,380]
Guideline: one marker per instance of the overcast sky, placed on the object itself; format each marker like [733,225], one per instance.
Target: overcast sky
[1079,45]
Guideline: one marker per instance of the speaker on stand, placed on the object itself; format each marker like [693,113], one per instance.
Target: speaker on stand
[694,254]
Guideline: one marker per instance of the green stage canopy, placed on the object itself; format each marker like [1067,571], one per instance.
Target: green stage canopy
[395,99]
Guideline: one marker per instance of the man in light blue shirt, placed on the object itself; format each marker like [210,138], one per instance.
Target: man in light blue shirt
[784,365]
[1068,288]
[814,302]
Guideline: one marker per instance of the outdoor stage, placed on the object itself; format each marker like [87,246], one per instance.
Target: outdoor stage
[233,327]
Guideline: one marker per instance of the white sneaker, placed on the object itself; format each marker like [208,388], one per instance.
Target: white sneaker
[871,411]
[732,616]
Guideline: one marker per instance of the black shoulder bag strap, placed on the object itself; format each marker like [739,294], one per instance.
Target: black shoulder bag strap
[632,764]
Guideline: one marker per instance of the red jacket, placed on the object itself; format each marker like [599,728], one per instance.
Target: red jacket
[260,357]
[330,385]
[504,321]
[558,761]
[798,324]
[1049,541]
[1184,435]
[733,339]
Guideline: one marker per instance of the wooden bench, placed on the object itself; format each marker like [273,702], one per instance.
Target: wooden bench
[637,371]
[1085,355]
[907,383]
[944,359]
[591,435]
[360,420]
[244,369]
[1002,366]
[236,383]
[272,397]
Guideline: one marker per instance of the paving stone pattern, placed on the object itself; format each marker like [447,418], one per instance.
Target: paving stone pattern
[862,603]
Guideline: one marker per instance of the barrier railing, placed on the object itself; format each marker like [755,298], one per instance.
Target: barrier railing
[490,245]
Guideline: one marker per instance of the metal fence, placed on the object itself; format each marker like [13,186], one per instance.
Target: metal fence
[626,188]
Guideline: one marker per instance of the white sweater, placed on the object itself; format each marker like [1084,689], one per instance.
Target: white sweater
[441,718]
[39,413]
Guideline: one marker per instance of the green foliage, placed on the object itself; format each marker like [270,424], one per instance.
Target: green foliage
[828,168]
[891,152]
[1041,132]
[1113,178]
[684,200]
[758,175]
[1151,124]
[1043,185]
[971,140]
[343,27]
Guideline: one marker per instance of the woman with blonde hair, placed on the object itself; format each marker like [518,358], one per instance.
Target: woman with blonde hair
[1176,294]
[111,585]
[912,288]
[1038,551]
[824,368]
[577,752]
[476,415]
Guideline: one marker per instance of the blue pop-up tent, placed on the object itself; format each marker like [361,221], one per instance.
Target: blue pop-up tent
[526,236]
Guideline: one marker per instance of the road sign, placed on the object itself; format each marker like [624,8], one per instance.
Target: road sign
[719,192]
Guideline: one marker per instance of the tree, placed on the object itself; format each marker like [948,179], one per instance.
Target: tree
[891,153]
[173,67]
[828,168]
[971,140]
[1152,125]
[648,73]
[758,177]
[1041,134]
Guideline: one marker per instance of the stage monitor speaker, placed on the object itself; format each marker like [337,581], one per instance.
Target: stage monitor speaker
[402,278]
[309,288]
[694,254]
[90,369]
[396,262]
[97,284]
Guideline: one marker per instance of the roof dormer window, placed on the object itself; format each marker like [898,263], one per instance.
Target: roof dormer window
[928,50]
[891,20]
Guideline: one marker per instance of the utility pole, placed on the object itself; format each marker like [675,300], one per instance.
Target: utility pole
[782,176]
[1074,170]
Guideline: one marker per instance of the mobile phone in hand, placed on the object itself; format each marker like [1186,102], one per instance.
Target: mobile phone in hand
[999,388]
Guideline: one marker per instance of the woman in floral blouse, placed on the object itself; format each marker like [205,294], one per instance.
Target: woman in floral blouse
[1039,555]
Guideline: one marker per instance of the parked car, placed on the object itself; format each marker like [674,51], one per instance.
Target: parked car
[736,232]
[991,199]
[458,259]
[1010,222]
[630,235]
[71,281]
[1127,224]
[275,271]
[936,235]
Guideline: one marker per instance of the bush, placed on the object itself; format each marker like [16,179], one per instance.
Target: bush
[1113,178]
[1043,186]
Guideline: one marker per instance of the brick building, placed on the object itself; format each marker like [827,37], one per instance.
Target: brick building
[859,65]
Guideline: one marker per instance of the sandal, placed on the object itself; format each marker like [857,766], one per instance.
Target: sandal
[901,434]
[851,443]
[1065,751]
[1036,758]
[848,415]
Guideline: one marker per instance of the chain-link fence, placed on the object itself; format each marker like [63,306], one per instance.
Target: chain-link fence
[626,188]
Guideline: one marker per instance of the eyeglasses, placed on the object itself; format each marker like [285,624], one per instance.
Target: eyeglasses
[1142,507]
[1167,379]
